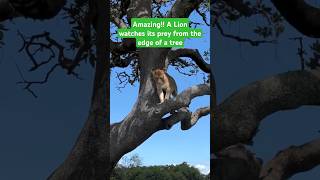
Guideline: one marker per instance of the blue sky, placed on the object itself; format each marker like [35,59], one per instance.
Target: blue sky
[172,146]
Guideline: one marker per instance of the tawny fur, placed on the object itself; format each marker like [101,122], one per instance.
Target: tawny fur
[165,84]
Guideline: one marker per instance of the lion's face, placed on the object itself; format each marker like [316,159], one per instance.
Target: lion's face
[158,74]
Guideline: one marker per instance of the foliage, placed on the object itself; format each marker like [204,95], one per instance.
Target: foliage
[169,172]
[131,168]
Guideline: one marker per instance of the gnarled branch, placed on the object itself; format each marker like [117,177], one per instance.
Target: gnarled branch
[291,161]
[182,8]
[236,163]
[145,119]
[187,118]
[302,16]
[190,53]
[195,116]
[238,116]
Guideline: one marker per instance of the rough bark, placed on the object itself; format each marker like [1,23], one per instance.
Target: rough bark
[146,118]
[183,8]
[89,157]
[238,116]
[146,115]
[236,163]
[291,161]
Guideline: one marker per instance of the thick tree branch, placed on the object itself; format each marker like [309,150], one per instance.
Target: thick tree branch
[183,8]
[139,9]
[144,120]
[6,10]
[183,99]
[127,45]
[180,115]
[187,118]
[90,155]
[291,161]
[195,116]
[190,53]
[118,22]
[238,116]
[236,163]
[37,9]
[302,16]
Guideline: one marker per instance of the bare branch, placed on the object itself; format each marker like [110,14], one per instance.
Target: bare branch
[292,160]
[251,104]
[35,45]
[184,116]
[183,99]
[28,45]
[200,112]
[30,83]
[179,116]
[240,39]
[191,53]
[204,17]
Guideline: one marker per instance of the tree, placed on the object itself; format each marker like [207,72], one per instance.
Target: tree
[146,113]
[89,157]
[237,118]
[248,106]
[177,172]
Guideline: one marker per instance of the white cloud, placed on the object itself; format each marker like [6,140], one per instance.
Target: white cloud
[202,168]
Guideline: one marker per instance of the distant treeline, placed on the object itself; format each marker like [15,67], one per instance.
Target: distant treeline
[169,172]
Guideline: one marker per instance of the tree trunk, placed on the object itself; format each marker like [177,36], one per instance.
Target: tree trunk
[89,157]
